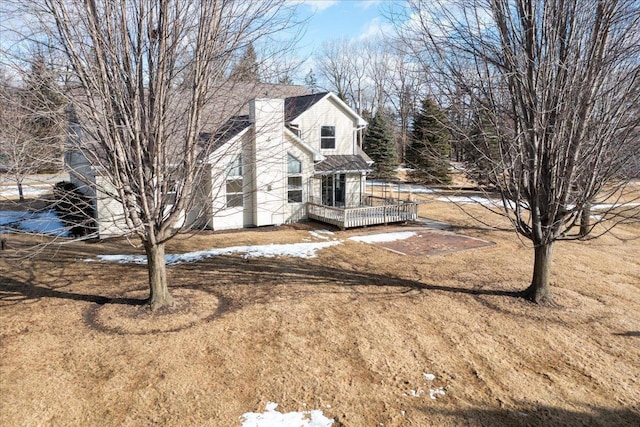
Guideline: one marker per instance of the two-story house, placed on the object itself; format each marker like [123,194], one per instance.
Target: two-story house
[289,159]
[286,154]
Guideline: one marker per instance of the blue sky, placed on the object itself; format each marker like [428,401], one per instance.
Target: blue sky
[340,19]
[337,20]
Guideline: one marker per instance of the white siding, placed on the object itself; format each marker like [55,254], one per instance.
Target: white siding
[297,211]
[221,217]
[328,113]
[269,162]
[354,185]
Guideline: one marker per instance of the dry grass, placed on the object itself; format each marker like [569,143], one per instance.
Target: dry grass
[350,332]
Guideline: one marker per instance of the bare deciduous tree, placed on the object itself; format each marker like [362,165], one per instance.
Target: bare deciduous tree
[31,123]
[557,80]
[144,71]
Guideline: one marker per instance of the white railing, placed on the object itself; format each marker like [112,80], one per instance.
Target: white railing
[363,216]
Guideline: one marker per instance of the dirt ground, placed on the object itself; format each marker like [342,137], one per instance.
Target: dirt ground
[351,332]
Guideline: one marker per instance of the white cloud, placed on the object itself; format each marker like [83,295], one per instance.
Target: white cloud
[317,5]
[366,4]
[375,28]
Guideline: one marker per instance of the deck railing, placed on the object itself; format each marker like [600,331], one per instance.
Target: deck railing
[363,216]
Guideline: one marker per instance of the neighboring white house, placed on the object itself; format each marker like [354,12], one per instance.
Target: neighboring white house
[267,167]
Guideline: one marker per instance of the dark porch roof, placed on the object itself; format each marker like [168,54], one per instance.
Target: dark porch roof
[341,164]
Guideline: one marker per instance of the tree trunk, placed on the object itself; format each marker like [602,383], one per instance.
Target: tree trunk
[20,192]
[156,266]
[585,220]
[540,291]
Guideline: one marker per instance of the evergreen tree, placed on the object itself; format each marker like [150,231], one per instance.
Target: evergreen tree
[430,148]
[246,69]
[43,114]
[482,149]
[311,82]
[379,145]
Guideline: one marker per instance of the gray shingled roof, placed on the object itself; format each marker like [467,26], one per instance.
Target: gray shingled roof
[341,164]
[296,105]
[226,132]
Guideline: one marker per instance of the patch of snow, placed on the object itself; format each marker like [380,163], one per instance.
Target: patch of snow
[318,235]
[273,418]
[26,191]
[296,250]
[403,188]
[435,392]
[417,189]
[478,200]
[464,200]
[416,393]
[428,377]
[323,231]
[606,206]
[33,222]
[384,237]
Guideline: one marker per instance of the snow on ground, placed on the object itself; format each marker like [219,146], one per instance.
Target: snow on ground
[485,201]
[321,234]
[12,192]
[32,222]
[384,237]
[273,418]
[470,200]
[428,377]
[403,188]
[296,250]
[606,206]
[435,392]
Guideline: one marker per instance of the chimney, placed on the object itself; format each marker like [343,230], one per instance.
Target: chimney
[269,161]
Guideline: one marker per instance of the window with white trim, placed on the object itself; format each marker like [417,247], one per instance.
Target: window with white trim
[328,137]
[234,184]
[294,179]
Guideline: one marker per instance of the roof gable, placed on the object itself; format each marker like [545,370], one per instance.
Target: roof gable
[296,106]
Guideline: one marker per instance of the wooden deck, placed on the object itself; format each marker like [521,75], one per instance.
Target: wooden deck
[363,216]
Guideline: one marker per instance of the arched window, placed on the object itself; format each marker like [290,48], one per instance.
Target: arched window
[294,179]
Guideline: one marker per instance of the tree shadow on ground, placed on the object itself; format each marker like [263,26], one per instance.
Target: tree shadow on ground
[256,280]
[256,277]
[530,415]
[628,334]
[14,291]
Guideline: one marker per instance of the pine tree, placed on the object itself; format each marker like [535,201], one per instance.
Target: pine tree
[43,112]
[246,69]
[482,149]
[430,148]
[379,145]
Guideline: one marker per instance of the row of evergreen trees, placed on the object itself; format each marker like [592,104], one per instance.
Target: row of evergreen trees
[429,150]
[432,147]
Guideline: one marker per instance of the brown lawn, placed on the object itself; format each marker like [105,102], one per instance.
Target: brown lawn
[350,332]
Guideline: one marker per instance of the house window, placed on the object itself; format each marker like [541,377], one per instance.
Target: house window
[234,184]
[294,180]
[295,129]
[328,137]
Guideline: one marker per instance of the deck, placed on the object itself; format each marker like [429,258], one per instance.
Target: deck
[363,216]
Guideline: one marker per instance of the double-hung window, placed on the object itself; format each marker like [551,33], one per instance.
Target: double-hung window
[294,179]
[328,137]
[234,184]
